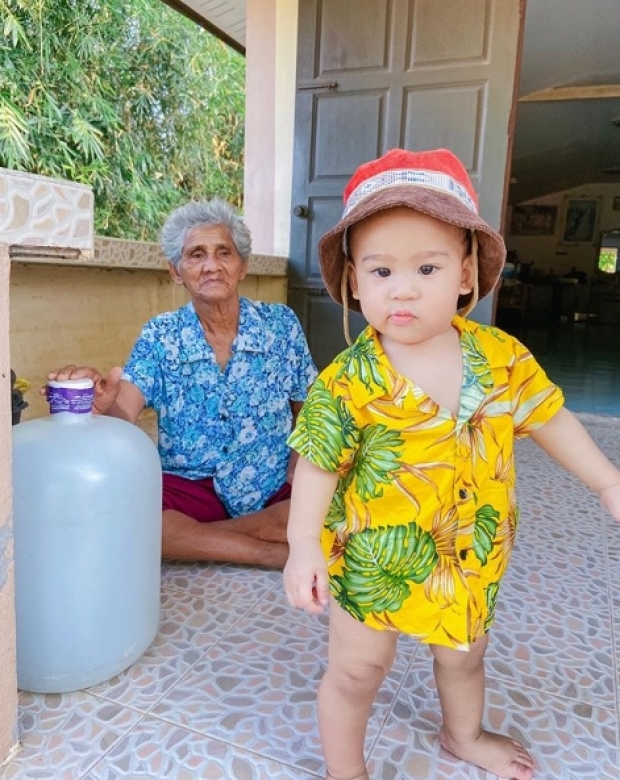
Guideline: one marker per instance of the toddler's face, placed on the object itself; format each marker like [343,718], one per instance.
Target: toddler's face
[408,271]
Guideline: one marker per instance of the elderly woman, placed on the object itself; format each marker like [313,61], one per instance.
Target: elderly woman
[226,377]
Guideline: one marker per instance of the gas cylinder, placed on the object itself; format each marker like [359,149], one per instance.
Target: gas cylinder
[87,543]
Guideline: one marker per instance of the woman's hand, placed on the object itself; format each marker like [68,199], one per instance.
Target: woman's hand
[305,577]
[106,389]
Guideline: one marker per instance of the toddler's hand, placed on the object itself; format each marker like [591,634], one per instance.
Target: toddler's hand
[610,498]
[305,577]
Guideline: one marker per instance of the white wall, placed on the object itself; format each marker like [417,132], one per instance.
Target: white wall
[550,253]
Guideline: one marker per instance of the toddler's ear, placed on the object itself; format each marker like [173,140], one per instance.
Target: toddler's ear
[352,280]
[467,275]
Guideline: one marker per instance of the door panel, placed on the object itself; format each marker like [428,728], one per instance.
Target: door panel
[344,46]
[447,32]
[377,74]
[427,109]
[335,115]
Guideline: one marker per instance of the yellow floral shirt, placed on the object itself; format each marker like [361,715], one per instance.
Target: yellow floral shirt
[423,521]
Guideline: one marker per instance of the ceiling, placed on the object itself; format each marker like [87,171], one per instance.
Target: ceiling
[224,18]
[558,144]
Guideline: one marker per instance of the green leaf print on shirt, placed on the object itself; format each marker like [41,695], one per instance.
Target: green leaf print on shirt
[491,595]
[335,519]
[379,564]
[361,361]
[485,529]
[477,360]
[377,458]
[495,332]
[324,429]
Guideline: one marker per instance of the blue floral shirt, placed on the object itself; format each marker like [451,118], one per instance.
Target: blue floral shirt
[229,424]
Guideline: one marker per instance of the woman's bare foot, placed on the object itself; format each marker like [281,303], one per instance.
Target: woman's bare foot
[503,756]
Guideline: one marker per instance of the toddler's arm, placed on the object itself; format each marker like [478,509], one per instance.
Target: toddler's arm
[568,442]
[305,573]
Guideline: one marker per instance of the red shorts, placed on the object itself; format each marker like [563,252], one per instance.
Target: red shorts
[196,498]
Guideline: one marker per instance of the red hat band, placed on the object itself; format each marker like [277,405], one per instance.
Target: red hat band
[420,178]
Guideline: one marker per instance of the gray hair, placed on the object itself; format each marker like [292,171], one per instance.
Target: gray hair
[207,213]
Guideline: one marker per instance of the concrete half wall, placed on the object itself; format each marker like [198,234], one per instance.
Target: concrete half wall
[92,315]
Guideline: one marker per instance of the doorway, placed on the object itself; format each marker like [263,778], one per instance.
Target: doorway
[564,198]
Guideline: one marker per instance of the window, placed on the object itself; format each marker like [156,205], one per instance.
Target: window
[608,259]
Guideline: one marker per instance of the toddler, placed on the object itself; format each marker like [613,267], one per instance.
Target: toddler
[403,512]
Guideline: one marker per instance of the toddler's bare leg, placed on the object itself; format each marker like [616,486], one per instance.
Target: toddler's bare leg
[460,683]
[358,660]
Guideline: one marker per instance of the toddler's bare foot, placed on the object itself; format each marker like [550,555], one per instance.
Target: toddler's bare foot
[503,756]
[363,776]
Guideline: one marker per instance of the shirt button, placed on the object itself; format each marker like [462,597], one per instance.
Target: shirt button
[224,449]
[462,494]
[463,555]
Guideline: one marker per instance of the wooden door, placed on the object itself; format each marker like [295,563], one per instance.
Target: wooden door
[373,75]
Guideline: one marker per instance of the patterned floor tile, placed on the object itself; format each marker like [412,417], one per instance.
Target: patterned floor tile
[62,736]
[562,652]
[555,506]
[241,587]
[276,607]
[612,533]
[155,750]
[257,689]
[568,740]
[537,578]
[190,626]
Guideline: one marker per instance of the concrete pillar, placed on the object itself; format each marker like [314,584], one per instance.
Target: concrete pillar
[8,681]
[271,54]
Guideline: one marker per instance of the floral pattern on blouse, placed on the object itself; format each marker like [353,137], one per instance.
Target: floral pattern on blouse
[423,520]
[231,425]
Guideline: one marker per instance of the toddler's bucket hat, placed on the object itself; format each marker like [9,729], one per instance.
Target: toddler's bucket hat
[434,183]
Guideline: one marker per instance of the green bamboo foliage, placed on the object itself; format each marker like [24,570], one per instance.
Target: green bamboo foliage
[127,96]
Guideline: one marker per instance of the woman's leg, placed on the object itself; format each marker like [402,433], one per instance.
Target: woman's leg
[196,526]
[359,658]
[460,684]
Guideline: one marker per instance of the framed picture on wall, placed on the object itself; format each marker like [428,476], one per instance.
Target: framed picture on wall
[533,220]
[580,220]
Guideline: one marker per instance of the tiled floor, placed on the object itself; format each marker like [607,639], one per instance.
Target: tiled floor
[227,691]
[585,361]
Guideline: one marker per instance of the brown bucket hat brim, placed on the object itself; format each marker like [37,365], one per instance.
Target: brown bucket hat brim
[426,200]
